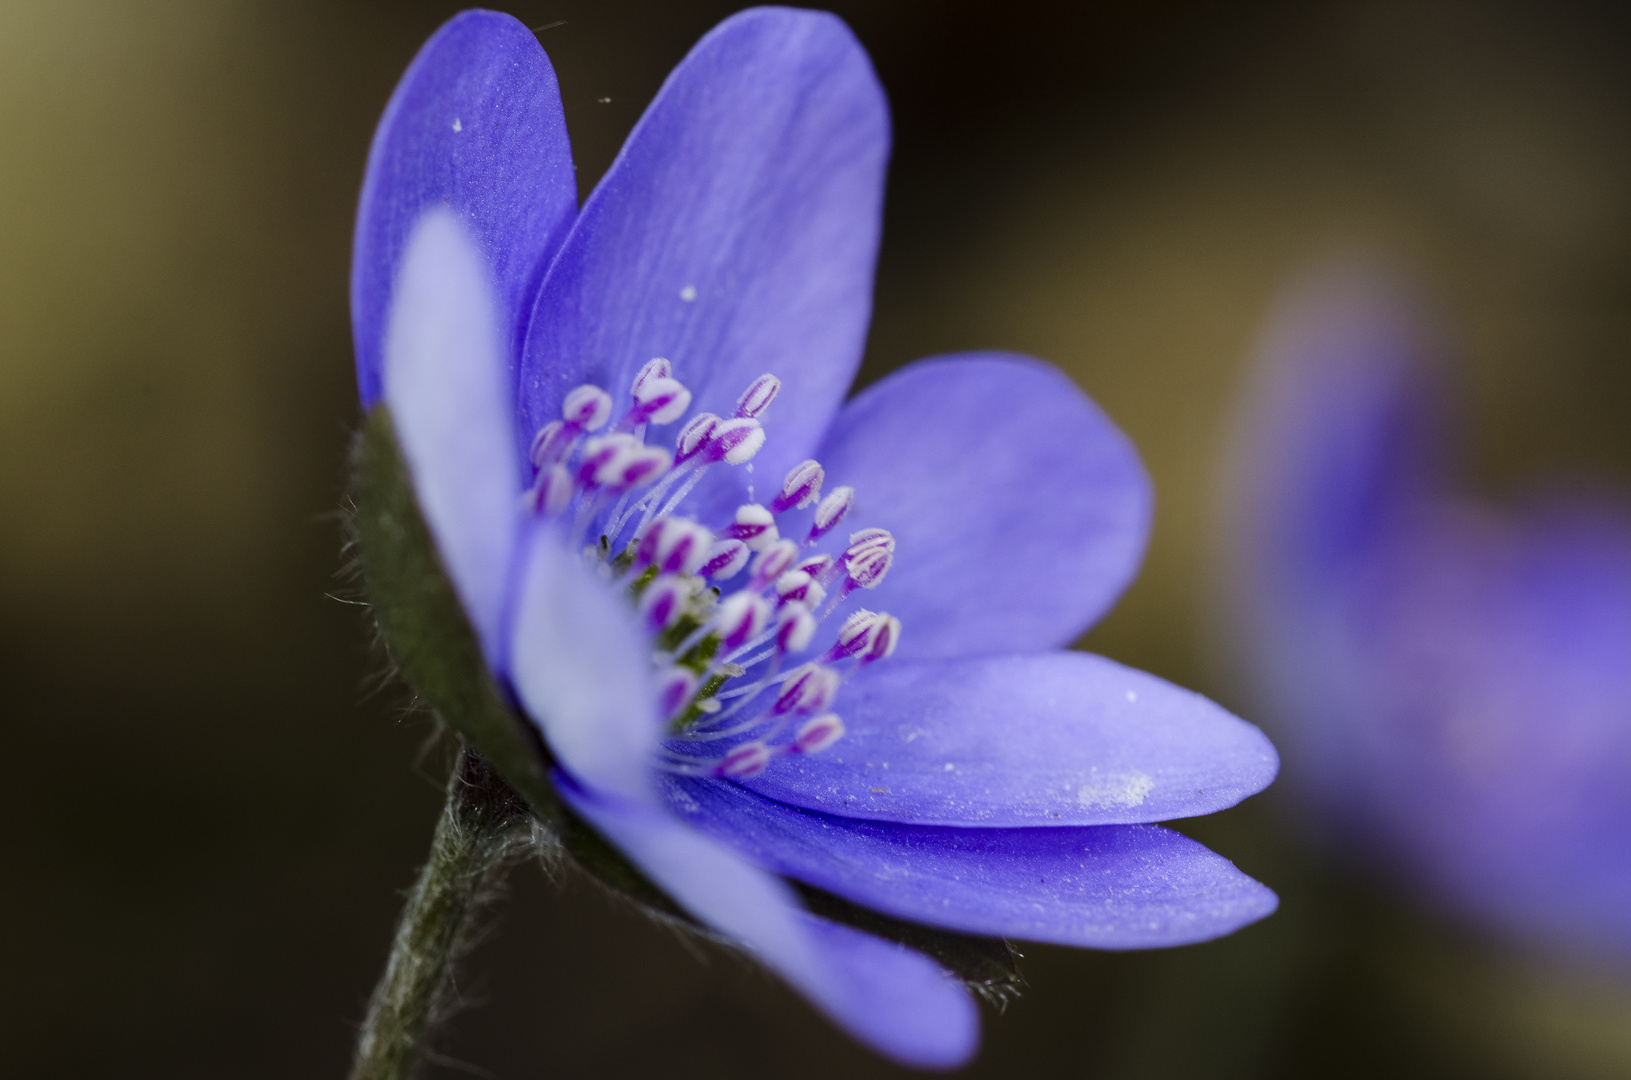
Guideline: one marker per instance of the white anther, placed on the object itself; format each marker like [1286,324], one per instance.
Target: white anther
[831,510]
[551,443]
[661,400]
[796,585]
[749,759]
[643,466]
[675,545]
[796,626]
[884,639]
[817,733]
[695,436]
[735,441]
[755,526]
[775,561]
[802,486]
[868,567]
[871,538]
[856,633]
[739,619]
[808,689]
[552,491]
[815,564]
[587,408]
[655,368]
[725,560]
[602,455]
[674,689]
[758,396]
[663,601]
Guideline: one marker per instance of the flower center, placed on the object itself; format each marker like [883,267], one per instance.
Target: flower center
[728,604]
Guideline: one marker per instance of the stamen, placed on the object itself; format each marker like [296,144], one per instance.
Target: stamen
[758,396]
[809,689]
[801,488]
[740,618]
[829,512]
[773,562]
[695,436]
[798,586]
[725,560]
[552,492]
[655,368]
[755,526]
[674,689]
[816,734]
[855,635]
[885,636]
[796,627]
[660,401]
[749,759]
[551,444]
[870,554]
[664,601]
[586,408]
[675,546]
[735,441]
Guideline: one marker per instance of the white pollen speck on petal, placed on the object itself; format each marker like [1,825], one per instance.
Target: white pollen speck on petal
[950,766]
[456,125]
[1121,789]
[1132,695]
[689,293]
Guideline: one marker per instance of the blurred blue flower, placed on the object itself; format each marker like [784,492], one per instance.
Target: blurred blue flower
[1451,681]
[632,514]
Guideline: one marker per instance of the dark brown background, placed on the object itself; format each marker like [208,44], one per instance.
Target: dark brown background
[208,817]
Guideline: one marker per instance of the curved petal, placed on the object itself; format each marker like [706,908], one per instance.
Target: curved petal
[474,125]
[734,235]
[1019,510]
[1064,738]
[583,670]
[1110,887]
[449,397]
[896,1000]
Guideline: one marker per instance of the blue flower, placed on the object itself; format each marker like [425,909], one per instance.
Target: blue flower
[640,528]
[1453,681]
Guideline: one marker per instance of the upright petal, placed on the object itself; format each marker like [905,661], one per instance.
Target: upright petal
[734,235]
[1110,887]
[450,399]
[583,670]
[1019,510]
[894,999]
[475,125]
[1063,738]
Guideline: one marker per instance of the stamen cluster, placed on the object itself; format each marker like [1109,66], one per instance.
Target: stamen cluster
[727,606]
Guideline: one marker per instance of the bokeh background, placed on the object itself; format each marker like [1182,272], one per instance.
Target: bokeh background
[209,809]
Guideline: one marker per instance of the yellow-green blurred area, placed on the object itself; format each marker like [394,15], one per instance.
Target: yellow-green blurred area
[210,811]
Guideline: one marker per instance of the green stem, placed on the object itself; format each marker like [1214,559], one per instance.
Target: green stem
[484,826]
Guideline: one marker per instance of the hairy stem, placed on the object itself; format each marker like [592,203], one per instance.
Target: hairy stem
[484,825]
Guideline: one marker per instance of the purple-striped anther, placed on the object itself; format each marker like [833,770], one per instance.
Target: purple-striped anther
[773,562]
[674,689]
[754,526]
[642,466]
[655,368]
[816,734]
[552,491]
[801,488]
[815,565]
[870,554]
[808,689]
[796,626]
[664,601]
[830,511]
[735,441]
[675,546]
[885,636]
[587,408]
[695,436]
[749,759]
[739,619]
[855,634]
[758,396]
[725,560]
[661,401]
[551,444]
[796,586]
